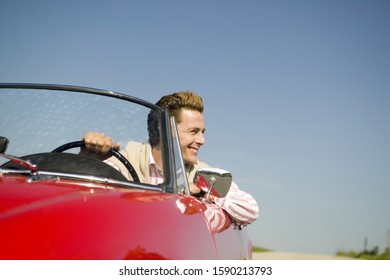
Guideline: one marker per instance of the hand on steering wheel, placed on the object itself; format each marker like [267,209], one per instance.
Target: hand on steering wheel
[99,143]
[112,152]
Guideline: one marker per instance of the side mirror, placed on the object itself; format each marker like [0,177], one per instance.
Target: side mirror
[213,181]
[3,144]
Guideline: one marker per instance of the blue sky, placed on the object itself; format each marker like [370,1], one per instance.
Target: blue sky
[297,95]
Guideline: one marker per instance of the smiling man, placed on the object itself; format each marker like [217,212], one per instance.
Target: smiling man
[187,108]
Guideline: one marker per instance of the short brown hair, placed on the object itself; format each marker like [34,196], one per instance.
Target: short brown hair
[173,103]
[181,100]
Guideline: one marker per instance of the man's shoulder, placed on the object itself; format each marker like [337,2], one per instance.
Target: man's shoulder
[138,153]
[200,164]
[192,169]
[133,145]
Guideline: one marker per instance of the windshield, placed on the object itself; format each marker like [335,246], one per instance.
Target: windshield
[38,121]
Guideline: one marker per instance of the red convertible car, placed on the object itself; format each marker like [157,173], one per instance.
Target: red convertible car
[56,203]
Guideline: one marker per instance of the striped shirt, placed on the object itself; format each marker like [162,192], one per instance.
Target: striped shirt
[156,175]
[240,205]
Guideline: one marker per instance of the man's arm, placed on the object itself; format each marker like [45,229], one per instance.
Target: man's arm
[240,205]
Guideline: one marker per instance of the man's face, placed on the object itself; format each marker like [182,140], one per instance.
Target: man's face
[191,134]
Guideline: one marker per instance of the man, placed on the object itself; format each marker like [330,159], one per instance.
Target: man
[187,108]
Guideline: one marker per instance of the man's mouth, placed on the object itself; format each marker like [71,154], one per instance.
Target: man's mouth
[195,150]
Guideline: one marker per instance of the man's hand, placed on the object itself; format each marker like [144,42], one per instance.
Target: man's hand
[98,143]
[195,191]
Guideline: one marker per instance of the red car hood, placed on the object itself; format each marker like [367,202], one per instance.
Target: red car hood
[63,219]
[17,193]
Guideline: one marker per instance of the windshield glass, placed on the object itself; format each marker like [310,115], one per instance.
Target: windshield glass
[38,121]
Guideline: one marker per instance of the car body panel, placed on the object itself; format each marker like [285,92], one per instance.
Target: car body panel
[69,221]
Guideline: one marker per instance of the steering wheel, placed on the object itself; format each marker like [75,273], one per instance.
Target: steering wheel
[111,152]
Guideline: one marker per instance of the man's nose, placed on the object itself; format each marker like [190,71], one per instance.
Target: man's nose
[201,140]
